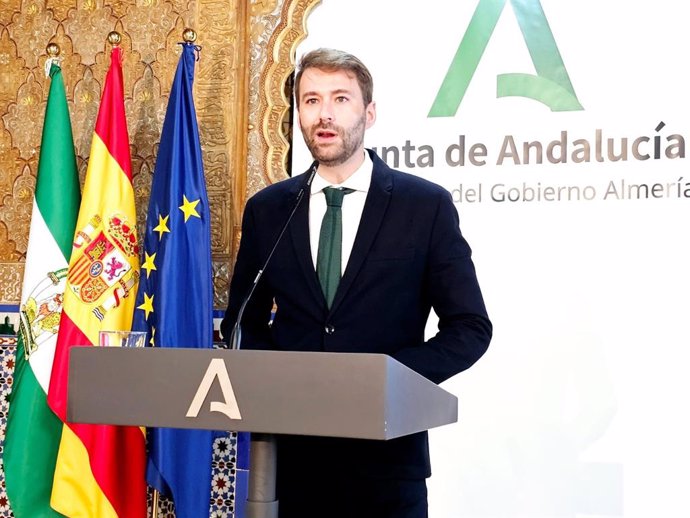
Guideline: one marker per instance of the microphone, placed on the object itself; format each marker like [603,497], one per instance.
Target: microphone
[236,336]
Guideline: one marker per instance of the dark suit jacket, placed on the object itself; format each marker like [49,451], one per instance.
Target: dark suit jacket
[408,256]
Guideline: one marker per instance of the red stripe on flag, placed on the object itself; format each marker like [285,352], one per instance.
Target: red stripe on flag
[57,393]
[111,125]
[115,473]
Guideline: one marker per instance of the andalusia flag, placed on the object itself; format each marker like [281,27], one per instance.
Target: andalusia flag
[100,468]
[33,430]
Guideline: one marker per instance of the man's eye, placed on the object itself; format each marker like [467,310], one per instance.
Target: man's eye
[310,101]
[341,99]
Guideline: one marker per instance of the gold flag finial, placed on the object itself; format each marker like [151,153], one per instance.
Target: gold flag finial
[114,38]
[189,35]
[53,50]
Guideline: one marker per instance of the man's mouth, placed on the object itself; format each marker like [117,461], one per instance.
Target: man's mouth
[326,134]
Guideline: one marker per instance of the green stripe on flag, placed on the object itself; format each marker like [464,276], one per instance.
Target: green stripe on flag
[57,192]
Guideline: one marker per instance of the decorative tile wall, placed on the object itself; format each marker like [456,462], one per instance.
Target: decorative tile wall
[229,479]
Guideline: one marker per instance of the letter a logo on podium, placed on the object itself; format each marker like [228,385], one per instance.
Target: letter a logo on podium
[216,370]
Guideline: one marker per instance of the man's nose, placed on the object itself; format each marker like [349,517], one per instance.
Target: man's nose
[326,114]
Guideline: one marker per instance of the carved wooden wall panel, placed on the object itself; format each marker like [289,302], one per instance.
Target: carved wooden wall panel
[242,104]
[150,31]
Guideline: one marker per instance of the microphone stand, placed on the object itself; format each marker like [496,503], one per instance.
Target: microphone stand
[236,336]
[261,492]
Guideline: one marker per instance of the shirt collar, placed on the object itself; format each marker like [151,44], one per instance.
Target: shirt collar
[359,180]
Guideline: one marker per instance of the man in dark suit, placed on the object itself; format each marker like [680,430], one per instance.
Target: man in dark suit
[400,252]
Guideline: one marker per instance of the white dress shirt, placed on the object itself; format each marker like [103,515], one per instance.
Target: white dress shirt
[353,205]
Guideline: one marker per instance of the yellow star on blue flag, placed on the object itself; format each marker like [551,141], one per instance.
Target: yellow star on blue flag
[188,208]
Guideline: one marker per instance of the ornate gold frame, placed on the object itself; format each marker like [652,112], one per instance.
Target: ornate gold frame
[273,102]
[279,67]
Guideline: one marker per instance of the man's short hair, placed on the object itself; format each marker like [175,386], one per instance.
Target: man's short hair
[332,60]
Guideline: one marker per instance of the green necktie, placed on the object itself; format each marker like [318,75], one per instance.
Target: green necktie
[328,260]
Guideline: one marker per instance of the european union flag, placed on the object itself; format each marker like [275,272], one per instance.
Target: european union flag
[175,298]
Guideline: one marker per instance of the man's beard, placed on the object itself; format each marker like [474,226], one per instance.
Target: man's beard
[335,154]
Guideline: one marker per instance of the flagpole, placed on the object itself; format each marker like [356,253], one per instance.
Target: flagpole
[189,486]
[154,504]
[156,494]
[189,37]
[114,38]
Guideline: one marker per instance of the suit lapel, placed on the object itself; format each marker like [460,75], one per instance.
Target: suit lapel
[375,207]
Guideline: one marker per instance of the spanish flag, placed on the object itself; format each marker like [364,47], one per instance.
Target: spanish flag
[100,468]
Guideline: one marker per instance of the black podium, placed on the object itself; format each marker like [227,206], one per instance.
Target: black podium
[366,396]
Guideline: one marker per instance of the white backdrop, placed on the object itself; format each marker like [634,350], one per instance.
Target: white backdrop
[580,406]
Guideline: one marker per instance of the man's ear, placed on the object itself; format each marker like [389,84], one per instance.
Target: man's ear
[370,112]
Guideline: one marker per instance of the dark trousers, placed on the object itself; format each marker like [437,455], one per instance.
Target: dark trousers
[352,498]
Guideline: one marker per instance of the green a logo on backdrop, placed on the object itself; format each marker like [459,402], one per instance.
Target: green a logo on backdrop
[551,86]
